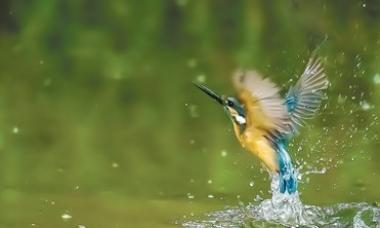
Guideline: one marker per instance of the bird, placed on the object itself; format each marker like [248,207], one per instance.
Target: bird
[264,122]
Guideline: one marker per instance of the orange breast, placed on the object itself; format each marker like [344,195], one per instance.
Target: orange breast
[254,141]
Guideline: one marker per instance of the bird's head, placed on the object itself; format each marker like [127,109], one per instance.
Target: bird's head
[231,105]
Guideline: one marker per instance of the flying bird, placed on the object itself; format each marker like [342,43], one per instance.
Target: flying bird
[264,122]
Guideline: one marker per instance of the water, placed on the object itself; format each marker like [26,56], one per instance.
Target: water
[100,122]
[288,210]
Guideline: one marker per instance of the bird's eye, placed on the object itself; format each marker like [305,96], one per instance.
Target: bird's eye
[230,103]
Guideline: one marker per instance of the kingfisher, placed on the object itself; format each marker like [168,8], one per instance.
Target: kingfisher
[264,122]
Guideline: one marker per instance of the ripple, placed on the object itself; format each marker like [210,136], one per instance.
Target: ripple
[288,210]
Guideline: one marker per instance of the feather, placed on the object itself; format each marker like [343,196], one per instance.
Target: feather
[264,107]
[304,98]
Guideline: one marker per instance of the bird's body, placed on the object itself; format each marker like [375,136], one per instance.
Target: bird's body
[254,140]
[264,122]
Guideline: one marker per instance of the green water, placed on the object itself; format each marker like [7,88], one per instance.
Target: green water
[100,125]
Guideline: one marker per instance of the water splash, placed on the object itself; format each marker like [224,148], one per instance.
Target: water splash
[288,210]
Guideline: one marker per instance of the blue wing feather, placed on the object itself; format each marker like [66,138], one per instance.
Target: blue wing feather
[302,102]
[304,98]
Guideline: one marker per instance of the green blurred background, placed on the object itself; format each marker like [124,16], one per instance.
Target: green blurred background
[100,125]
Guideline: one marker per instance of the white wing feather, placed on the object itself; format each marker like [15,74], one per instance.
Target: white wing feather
[267,107]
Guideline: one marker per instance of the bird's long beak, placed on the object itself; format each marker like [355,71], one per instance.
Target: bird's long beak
[209,92]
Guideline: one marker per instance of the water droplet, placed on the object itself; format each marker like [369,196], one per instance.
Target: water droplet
[364,5]
[81,226]
[251,184]
[15,130]
[41,62]
[190,196]
[209,181]
[365,105]
[210,196]
[258,198]
[223,153]
[376,79]
[115,165]
[47,82]
[66,217]
[116,75]
[192,63]
[341,99]
[193,111]
[201,78]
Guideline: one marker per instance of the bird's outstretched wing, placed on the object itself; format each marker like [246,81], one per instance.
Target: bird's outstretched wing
[264,107]
[304,98]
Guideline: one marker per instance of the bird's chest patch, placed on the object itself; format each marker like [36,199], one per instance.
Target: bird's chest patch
[260,146]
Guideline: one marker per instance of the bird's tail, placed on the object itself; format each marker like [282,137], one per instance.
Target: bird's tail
[287,174]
